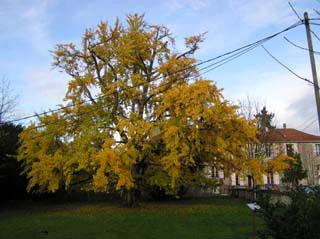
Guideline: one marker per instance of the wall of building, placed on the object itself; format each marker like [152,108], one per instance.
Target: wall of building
[309,158]
[310,161]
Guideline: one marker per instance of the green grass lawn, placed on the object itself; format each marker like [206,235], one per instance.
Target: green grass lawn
[205,218]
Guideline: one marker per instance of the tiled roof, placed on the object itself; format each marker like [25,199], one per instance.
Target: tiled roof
[287,136]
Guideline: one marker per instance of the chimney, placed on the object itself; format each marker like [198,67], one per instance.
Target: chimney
[284,125]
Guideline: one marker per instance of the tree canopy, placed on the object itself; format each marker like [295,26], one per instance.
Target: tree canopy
[138,115]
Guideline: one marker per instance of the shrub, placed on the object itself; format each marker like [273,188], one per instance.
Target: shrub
[295,220]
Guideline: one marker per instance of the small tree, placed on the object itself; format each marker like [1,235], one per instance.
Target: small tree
[8,100]
[295,172]
[264,120]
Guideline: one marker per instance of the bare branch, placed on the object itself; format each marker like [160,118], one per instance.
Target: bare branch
[8,100]
[250,107]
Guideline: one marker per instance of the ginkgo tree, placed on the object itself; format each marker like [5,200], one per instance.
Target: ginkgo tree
[138,116]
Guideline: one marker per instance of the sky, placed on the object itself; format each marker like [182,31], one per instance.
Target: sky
[30,29]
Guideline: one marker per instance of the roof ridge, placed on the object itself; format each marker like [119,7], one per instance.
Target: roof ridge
[289,135]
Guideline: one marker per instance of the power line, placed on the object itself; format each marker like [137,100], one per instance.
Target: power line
[229,58]
[300,47]
[315,120]
[251,47]
[214,66]
[316,11]
[233,54]
[286,67]
[306,121]
[295,12]
[222,62]
[315,35]
[302,20]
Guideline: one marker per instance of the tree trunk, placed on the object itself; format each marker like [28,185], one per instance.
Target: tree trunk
[130,198]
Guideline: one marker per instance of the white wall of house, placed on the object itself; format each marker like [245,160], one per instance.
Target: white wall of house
[221,174]
[233,179]
[265,179]
[242,181]
[276,178]
[309,156]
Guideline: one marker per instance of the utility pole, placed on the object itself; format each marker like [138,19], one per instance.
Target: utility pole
[313,65]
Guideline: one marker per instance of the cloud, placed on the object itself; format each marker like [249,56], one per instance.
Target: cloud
[258,14]
[230,23]
[27,23]
[303,112]
[291,99]
[189,6]
[44,89]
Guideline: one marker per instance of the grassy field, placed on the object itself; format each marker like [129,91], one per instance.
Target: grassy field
[205,218]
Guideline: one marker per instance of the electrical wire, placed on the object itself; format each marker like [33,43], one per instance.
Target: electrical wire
[300,47]
[315,35]
[214,66]
[306,121]
[286,67]
[234,54]
[295,12]
[303,21]
[309,124]
[224,61]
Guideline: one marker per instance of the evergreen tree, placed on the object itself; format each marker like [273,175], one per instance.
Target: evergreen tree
[12,184]
[295,172]
[264,120]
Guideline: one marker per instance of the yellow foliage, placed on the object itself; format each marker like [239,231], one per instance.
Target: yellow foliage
[257,169]
[279,164]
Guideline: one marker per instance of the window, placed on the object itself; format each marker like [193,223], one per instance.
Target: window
[268,148]
[318,149]
[214,172]
[289,148]
[270,178]
[237,180]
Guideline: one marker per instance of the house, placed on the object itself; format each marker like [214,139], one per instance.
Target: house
[280,140]
[276,141]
